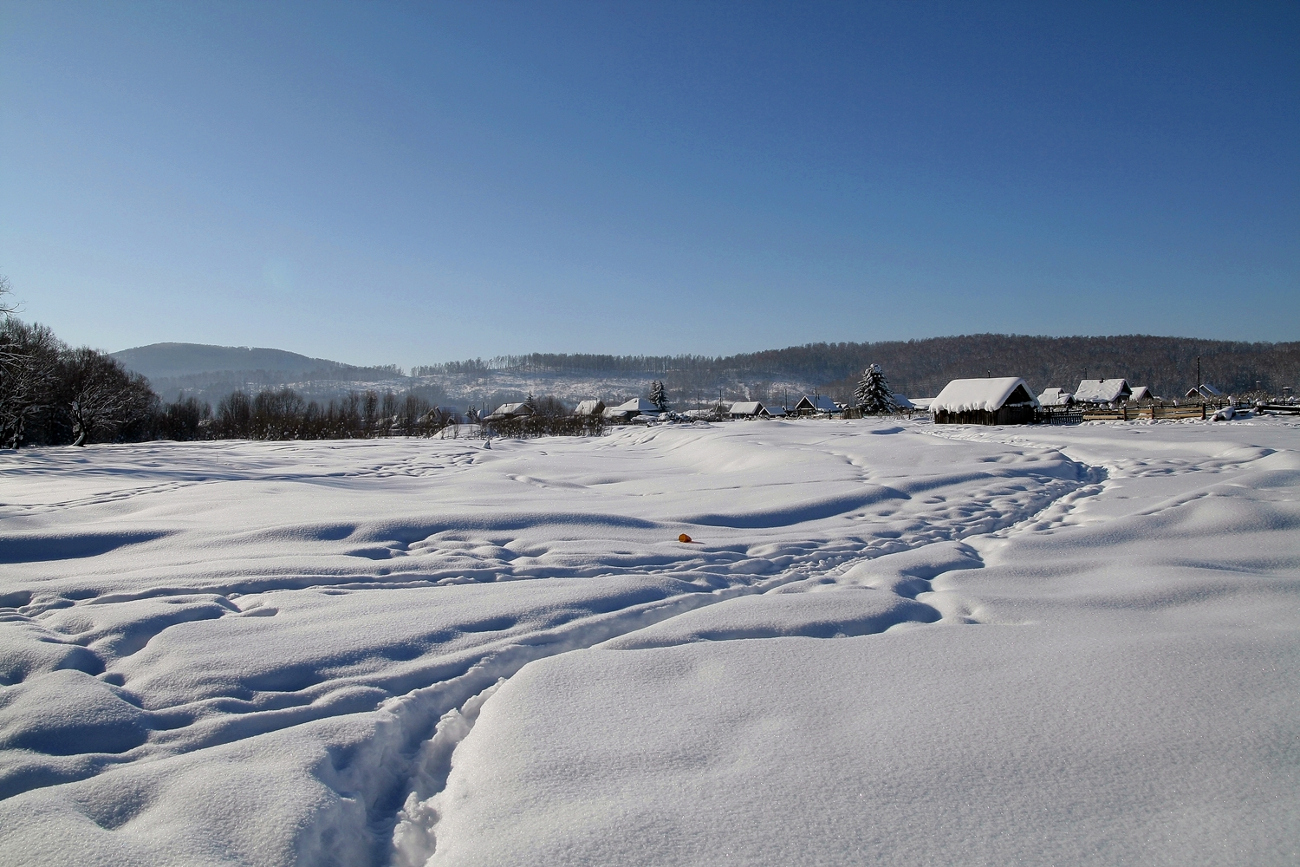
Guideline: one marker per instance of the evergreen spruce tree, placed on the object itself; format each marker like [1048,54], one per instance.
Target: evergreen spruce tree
[873,395]
[658,397]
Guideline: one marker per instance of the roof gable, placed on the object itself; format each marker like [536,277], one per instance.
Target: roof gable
[819,403]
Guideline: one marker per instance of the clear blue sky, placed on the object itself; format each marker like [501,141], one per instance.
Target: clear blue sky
[416,182]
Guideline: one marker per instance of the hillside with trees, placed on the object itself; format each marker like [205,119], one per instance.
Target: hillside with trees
[1167,365]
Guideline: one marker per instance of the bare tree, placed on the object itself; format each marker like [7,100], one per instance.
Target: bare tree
[29,375]
[387,413]
[234,415]
[7,307]
[100,397]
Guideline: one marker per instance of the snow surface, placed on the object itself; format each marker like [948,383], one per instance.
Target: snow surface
[888,642]
[989,394]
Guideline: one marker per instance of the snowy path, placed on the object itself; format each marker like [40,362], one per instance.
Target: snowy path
[219,653]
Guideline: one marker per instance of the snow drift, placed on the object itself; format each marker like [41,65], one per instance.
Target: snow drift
[888,642]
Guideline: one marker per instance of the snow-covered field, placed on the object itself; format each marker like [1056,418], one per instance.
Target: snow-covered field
[888,643]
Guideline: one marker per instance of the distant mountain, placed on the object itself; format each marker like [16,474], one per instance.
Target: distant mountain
[211,372]
[171,360]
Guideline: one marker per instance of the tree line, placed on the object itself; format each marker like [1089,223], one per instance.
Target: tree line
[55,394]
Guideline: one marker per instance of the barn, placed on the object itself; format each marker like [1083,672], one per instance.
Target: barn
[995,400]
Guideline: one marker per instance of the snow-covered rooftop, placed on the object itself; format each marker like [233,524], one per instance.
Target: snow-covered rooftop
[990,395]
[635,405]
[747,407]
[818,403]
[589,407]
[1102,391]
[508,410]
[1054,397]
[1204,390]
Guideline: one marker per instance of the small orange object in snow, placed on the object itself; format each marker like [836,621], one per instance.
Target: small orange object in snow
[683,538]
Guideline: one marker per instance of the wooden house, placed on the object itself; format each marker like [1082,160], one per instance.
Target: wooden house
[749,409]
[1111,392]
[1055,397]
[626,410]
[814,404]
[509,411]
[995,400]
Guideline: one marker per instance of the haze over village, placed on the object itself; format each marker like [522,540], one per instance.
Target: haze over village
[636,433]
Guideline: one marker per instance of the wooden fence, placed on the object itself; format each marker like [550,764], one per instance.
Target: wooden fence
[1151,411]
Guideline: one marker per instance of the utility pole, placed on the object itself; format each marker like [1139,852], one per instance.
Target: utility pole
[1198,373]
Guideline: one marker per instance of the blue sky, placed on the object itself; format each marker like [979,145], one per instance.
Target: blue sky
[417,182]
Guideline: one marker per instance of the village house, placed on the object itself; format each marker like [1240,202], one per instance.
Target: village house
[508,411]
[994,400]
[634,407]
[592,407]
[812,405]
[1141,393]
[749,409]
[1204,391]
[1055,397]
[1103,391]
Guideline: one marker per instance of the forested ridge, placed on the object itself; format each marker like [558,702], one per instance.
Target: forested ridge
[923,367]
